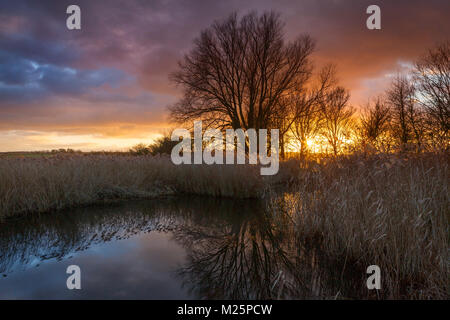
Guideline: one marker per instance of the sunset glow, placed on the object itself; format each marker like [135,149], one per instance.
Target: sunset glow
[225,157]
[79,88]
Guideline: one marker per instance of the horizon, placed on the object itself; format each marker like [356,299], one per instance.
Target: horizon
[106,88]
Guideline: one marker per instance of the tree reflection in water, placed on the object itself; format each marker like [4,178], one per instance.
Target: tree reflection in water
[256,255]
[236,249]
[247,257]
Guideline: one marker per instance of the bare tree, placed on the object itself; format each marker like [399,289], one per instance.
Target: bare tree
[406,115]
[238,70]
[308,120]
[432,74]
[337,117]
[291,109]
[307,124]
[284,117]
[415,116]
[375,121]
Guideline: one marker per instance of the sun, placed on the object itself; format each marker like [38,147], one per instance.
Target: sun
[313,145]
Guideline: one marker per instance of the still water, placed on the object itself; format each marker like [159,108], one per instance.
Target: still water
[176,248]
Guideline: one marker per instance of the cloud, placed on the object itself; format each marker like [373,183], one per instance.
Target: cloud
[114,71]
[39,50]
[23,79]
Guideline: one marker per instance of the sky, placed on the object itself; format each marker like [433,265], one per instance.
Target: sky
[106,86]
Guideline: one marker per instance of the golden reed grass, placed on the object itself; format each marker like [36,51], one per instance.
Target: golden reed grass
[390,211]
[30,185]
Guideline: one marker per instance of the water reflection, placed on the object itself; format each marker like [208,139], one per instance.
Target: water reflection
[177,248]
[241,259]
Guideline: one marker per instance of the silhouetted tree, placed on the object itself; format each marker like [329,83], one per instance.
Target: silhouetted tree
[238,70]
[375,121]
[432,75]
[298,112]
[139,149]
[337,117]
[406,116]
[162,145]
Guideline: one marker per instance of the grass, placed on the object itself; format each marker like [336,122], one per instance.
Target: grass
[33,185]
[390,211]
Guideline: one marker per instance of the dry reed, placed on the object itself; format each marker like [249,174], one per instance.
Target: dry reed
[30,185]
[390,211]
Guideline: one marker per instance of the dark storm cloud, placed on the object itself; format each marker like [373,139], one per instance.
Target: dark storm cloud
[23,79]
[38,50]
[14,70]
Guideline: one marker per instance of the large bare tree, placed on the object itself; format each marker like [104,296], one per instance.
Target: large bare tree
[238,71]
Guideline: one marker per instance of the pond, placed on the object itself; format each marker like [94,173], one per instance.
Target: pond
[174,248]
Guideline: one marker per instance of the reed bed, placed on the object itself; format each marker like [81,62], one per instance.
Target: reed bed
[33,185]
[386,210]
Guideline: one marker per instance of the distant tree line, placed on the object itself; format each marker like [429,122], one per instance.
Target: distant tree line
[62,150]
[162,145]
